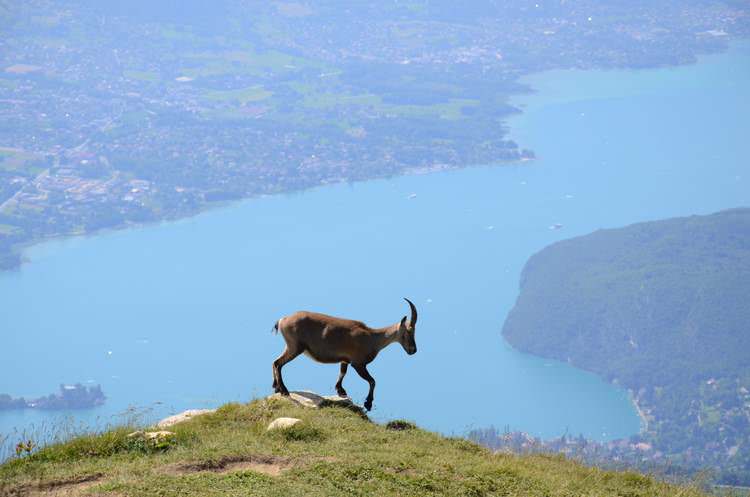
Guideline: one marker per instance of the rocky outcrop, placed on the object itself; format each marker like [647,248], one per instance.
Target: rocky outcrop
[314,401]
[306,399]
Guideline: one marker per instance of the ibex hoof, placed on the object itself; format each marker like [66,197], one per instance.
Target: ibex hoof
[283,391]
[368,404]
[341,392]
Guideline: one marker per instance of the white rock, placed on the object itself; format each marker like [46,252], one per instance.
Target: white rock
[178,418]
[281,423]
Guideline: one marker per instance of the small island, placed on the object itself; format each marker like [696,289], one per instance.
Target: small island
[70,397]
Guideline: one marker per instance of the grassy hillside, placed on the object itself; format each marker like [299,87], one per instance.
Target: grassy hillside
[334,451]
[664,309]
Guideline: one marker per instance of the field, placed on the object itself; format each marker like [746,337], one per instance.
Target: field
[19,162]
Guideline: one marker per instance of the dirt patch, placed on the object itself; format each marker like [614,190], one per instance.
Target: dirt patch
[56,488]
[268,465]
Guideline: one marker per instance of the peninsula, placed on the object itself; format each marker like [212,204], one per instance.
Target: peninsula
[660,308]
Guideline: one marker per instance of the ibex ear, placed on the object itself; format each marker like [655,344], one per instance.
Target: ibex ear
[403,323]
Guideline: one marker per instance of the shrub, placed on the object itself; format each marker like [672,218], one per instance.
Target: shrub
[400,425]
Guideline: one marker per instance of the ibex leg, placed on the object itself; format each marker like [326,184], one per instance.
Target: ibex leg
[362,371]
[339,388]
[278,382]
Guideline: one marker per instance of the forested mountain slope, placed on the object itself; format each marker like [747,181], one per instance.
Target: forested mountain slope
[664,309]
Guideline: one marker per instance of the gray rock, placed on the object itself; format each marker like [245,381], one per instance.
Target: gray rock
[314,401]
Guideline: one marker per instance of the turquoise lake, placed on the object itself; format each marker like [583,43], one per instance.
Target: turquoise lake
[179,315]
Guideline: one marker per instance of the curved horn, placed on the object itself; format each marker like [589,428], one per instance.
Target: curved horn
[413,321]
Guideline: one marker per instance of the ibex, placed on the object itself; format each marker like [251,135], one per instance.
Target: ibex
[331,340]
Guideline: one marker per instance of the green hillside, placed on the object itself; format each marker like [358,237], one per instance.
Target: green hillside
[664,309]
[333,451]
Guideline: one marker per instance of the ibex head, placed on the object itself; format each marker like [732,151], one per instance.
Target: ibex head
[406,331]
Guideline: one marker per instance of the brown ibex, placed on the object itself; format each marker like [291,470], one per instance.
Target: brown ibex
[331,340]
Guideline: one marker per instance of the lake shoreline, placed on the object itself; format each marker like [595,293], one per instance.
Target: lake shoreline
[23,248]
[18,255]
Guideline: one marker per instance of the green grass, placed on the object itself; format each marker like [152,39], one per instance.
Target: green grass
[333,452]
[243,95]
[8,83]
[449,110]
[711,415]
[321,100]
[318,98]
[245,61]
[9,229]
[19,162]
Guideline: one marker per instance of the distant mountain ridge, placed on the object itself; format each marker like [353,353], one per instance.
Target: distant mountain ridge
[662,308]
